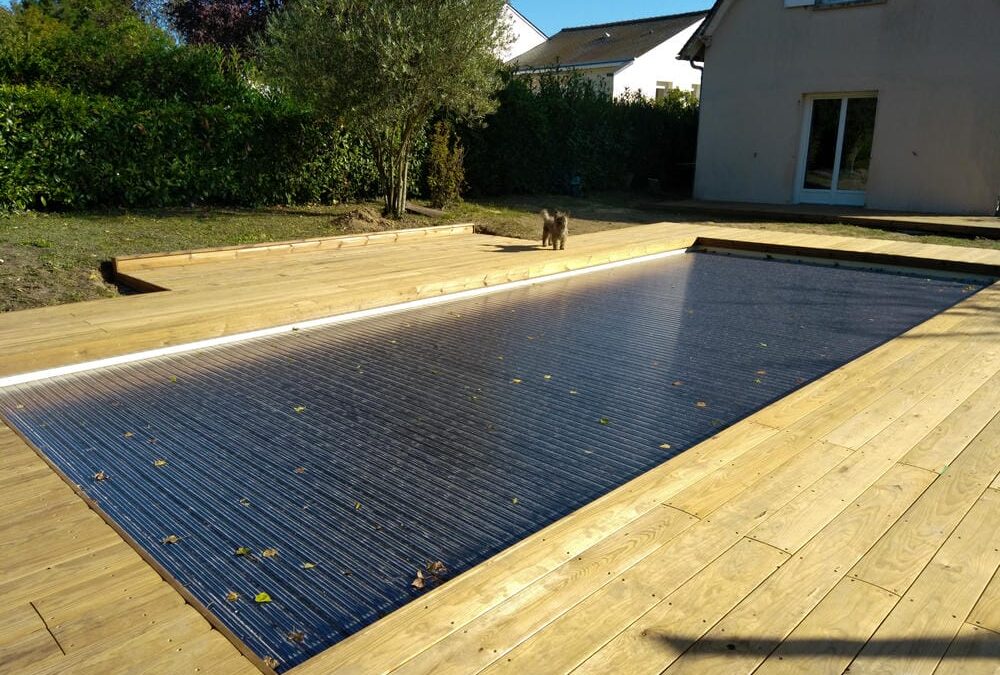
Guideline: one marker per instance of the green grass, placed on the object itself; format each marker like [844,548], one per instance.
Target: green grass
[57,258]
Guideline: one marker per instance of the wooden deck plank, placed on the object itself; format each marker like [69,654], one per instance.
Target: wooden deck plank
[833,633]
[747,635]
[525,613]
[896,561]
[916,635]
[986,613]
[662,634]
[24,638]
[975,651]
[794,525]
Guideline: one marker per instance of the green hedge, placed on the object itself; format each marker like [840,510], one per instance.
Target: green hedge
[64,150]
[540,139]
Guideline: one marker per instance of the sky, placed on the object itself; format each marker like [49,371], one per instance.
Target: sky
[553,15]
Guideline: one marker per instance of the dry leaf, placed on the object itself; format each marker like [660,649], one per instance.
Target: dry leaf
[270,661]
[516,380]
[244,501]
[437,568]
[357,506]
[573,392]
[299,408]
[261,598]
[159,462]
[308,565]
[418,581]
[173,378]
[128,434]
[665,446]
[678,383]
[269,552]
[701,404]
[296,636]
[232,596]
[762,372]
[171,539]
[300,469]
[547,377]
[100,476]
[242,550]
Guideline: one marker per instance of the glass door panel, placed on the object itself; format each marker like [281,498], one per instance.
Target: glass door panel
[823,134]
[856,155]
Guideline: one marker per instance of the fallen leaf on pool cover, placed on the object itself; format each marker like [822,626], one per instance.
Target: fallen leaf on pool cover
[299,408]
[514,501]
[418,581]
[308,565]
[296,636]
[242,550]
[244,502]
[701,404]
[357,506]
[270,661]
[516,380]
[605,421]
[573,392]
[300,469]
[261,598]
[269,552]
[437,568]
[678,383]
[159,462]
[232,596]
[665,446]
[100,476]
[171,539]
[763,344]
[762,372]
[128,434]
[173,378]
[547,377]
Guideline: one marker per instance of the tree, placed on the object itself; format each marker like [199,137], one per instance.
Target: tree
[230,24]
[383,68]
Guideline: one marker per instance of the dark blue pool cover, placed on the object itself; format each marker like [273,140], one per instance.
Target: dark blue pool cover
[373,448]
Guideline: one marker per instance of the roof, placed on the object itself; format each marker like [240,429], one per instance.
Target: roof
[694,49]
[617,42]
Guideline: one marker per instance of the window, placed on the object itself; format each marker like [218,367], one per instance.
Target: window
[662,88]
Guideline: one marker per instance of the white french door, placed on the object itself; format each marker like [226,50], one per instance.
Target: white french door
[836,151]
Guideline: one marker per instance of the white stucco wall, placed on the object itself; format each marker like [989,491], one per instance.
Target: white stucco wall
[659,65]
[525,35]
[935,66]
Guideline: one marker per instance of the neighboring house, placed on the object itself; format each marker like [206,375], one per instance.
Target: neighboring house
[892,104]
[525,35]
[636,56]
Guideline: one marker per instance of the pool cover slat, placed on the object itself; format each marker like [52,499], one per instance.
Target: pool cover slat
[377,447]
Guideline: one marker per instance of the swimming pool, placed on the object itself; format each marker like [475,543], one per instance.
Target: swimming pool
[344,459]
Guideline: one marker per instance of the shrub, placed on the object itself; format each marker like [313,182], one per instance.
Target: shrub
[564,132]
[445,167]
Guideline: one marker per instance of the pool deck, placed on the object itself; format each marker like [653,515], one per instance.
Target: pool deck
[855,522]
[986,227]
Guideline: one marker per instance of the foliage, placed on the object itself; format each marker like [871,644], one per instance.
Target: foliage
[229,24]
[98,108]
[385,67]
[561,127]
[445,167]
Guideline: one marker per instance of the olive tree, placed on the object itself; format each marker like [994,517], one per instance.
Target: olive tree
[384,68]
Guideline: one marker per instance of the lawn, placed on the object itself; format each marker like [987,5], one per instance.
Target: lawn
[55,258]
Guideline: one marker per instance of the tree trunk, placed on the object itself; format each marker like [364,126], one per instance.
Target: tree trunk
[395,199]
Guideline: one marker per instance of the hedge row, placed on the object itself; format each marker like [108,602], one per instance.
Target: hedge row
[60,149]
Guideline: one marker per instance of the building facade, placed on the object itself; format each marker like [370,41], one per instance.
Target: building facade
[889,104]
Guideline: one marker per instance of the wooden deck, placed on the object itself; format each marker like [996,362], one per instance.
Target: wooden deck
[856,522]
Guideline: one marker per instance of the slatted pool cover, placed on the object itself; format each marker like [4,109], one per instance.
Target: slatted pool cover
[373,448]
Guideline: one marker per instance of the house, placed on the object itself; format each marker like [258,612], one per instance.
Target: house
[890,104]
[636,56]
[524,34]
